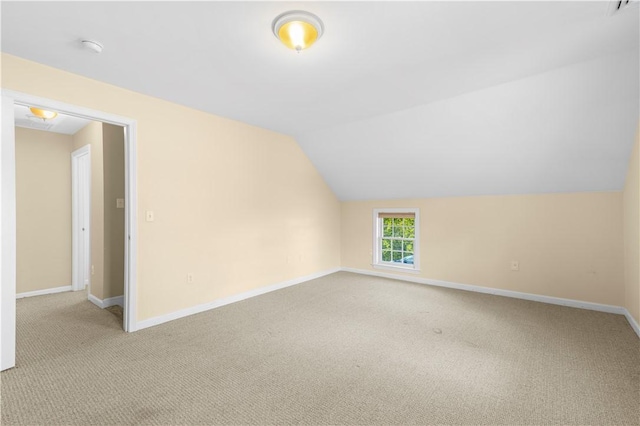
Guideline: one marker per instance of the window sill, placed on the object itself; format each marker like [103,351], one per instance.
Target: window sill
[396,268]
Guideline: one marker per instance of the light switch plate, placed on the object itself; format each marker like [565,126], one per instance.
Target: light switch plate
[149,216]
[120,203]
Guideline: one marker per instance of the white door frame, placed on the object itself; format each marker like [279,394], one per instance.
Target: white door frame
[76,233]
[8,213]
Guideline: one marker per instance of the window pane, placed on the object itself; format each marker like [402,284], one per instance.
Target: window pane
[396,238]
[409,232]
[387,229]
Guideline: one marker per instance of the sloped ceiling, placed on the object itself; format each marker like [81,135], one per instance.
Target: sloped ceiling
[565,130]
[397,99]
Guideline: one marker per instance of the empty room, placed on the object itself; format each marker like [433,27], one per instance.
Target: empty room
[371,213]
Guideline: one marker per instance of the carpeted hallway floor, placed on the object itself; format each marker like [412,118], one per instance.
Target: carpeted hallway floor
[343,349]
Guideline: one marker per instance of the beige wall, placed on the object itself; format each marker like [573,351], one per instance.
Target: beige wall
[92,135]
[632,233]
[107,221]
[568,245]
[237,206]
[113,166]
[43,203]
[44,211]
[241,207]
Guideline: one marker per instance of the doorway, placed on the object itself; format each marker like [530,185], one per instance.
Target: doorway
[8,213]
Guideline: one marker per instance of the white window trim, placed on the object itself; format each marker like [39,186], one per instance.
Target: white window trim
[377,237]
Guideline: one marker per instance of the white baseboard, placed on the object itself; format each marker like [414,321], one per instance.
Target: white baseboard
[95,301]
[498,292]
[43,292]
[632,322]
[228,300]
[508,293]
[111,301]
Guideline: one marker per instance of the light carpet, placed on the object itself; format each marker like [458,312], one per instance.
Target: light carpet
[342,349]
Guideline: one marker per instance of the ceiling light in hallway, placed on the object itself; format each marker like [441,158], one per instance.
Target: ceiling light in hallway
[43,113]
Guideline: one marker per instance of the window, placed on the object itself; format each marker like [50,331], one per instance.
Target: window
[396,239]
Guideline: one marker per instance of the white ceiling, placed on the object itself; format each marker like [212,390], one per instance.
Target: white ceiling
[65,124]
[433,59]
[566,130]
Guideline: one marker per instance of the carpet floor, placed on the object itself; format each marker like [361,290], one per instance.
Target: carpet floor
[342,349]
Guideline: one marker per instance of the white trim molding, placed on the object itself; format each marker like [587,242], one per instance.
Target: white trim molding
[98,302]
[8,212]
[632,322]
[376,251]
[43,292]
[231,299]
[7,237]
[507,293]
[111,301]
[130,307]
[402,269]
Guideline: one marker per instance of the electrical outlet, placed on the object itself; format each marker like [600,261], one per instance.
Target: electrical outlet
[515,265]
[189,278]
[93,270]
[120,203]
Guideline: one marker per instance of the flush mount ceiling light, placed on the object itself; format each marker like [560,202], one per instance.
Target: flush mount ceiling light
[43,113]
[297,29]
[93,45]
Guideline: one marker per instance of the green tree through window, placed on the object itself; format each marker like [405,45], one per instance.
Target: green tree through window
[398,239]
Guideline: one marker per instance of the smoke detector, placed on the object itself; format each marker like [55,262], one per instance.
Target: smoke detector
[93,45]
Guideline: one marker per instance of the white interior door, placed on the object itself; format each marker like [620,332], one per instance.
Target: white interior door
[81,188]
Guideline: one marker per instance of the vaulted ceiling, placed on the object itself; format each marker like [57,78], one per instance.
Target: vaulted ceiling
[398,99]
